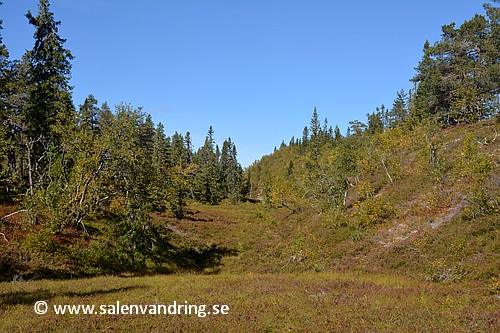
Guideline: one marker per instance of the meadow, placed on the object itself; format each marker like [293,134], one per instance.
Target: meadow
[303,302]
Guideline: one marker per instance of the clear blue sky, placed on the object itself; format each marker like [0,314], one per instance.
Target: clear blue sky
[253,69]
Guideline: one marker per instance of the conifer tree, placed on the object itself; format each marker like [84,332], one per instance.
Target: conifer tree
[399,110]
[48,67]
[315,126]
[4,56]
[208,177]
[231,171]
[305,135]
[189,147]
[12,99]
[375,123]
[4,59]
[457,79]
[160,166]
[356,127]
[337,136]
[179,154]
[87,115]
[161,150]
[316,133]
[48,113]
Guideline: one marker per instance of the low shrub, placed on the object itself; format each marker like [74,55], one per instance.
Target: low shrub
[373,211]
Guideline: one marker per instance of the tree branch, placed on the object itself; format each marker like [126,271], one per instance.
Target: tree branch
[11,214]
[3,235]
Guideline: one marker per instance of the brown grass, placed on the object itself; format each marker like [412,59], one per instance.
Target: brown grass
[307,302]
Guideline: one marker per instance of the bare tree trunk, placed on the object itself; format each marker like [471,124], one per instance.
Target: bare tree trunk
[29,147]
[386,171]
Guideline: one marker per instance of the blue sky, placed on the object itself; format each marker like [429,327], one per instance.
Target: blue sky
[253,69]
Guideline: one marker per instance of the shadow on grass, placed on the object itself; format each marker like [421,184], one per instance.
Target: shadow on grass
[102,291]
[206,260]
[196,216]
[30,297]
[24,297]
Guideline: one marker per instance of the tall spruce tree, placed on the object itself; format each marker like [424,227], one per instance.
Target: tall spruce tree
[4,57]
[231,171]
[315,126]
[88,114]
[12,99]
[49,105]
[375,122]
[399,111]
[4,53]
[315,130]
[208,177]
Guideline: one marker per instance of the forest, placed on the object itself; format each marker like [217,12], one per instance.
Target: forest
[68,165]
[81,185]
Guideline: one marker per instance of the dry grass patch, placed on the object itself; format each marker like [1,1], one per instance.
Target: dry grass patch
[306,302]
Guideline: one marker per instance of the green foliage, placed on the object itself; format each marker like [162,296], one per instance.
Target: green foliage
[399,112]
[458,76]
[398,198]
[372,211]
[207,184]
[472,163]
[138,240]
[480,203]
[95,171]
[42,241]
[375,123]
[284,193]
[179,189]
[231,173]
[96,258]
[96,176]
[12,264]
[49,104]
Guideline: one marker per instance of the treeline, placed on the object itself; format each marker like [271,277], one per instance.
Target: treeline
[457,82]
[69,166]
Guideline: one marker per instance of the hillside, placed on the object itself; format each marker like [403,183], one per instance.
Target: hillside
[435,223]
[437,220]
[417,251]
[89,190]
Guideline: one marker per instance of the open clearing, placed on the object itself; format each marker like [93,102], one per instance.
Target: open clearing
[304,302]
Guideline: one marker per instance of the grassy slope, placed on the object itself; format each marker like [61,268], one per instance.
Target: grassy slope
[423,269]
[427,235]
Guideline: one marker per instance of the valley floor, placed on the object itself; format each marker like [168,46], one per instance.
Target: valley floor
[303,302]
